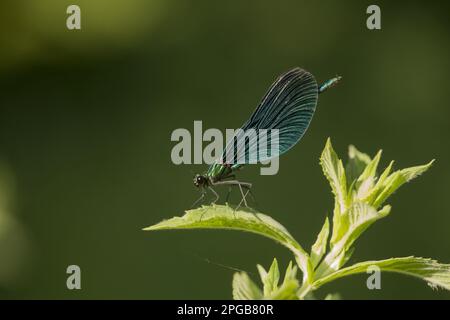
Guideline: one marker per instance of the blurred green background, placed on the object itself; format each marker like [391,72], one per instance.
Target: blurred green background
[86,118]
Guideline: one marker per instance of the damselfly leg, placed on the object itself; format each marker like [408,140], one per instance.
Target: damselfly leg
[202,197]
[228,194]
[215,194]
[241,185]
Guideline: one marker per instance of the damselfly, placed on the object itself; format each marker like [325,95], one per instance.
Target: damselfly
[287,107]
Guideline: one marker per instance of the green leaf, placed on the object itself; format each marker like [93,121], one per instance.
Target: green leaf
[244,288]
[320,246]
[334,171]
[357,162]
[397,179]
[371,169]
[291,272]
[367,178]
[379,186]
[225,217]
[437,275]
[356,220]
[270,279]
[360,217]
[333,296]
[353,223]
[288,289]
[385,174]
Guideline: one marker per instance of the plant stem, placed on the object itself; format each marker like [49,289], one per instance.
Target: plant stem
[304,290]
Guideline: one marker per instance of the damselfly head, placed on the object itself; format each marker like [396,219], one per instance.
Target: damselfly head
[200,181]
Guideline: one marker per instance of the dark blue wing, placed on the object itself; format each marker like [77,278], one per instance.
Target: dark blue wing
[288,106]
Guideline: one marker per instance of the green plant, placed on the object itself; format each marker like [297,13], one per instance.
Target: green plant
[359,194]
